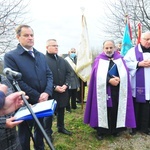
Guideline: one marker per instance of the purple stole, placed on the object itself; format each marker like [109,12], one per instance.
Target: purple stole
[140,82]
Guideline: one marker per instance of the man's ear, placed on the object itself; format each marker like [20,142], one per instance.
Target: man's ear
[46,47]
[17,36]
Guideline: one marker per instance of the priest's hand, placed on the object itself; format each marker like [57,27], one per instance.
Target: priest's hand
[114,81]
[144,63]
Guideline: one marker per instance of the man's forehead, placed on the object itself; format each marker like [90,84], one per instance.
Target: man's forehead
[145,35]
[27,31]
[109,45]
[72,50]
[52,42]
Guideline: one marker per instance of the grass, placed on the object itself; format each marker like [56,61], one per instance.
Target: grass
[83,136]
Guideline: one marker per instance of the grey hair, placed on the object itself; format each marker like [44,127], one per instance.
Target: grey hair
[108,41]
[47,42]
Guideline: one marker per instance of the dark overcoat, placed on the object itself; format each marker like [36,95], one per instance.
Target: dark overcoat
[61,75]
[36,75]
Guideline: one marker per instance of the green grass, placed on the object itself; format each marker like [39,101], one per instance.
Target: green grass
[83,137]
[82,134]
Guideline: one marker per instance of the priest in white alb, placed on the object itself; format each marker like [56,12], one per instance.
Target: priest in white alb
[138,62]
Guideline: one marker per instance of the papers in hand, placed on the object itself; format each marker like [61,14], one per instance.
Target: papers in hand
[42,109]
[113,71]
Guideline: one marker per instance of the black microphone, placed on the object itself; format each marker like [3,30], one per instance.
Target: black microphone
[11,73]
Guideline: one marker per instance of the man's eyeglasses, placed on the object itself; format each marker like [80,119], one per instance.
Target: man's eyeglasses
[53,45]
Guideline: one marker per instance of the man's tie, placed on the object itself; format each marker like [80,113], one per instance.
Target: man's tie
[55,57]
[31,53]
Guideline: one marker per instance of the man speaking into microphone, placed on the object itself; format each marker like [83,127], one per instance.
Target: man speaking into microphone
[36,80]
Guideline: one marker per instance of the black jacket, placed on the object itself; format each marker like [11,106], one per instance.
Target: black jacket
[61,75]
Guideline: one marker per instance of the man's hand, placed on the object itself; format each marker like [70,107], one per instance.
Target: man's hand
[114,81]
[144,63]
[43,97]
[10,123]
[61,89]
[12,102]
[3,88]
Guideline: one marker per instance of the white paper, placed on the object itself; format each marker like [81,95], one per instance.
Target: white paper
[39,107]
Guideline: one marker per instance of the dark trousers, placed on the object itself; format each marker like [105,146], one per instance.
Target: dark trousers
[142,114]
[72,98]
[48,125]
[60,117]
[24,135]
[60,121]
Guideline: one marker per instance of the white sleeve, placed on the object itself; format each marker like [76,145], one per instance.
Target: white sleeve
[131,61]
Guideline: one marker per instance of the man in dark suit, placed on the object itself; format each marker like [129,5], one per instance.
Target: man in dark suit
[61,77]
[36,81]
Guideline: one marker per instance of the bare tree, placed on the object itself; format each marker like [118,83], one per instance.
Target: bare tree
[12,13]
[137,11]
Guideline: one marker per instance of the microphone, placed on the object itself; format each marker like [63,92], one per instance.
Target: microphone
[11,73]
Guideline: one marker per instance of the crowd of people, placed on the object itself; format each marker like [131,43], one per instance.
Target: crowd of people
[44,77]
[118,92]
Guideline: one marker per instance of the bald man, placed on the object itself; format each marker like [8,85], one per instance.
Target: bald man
[138,62]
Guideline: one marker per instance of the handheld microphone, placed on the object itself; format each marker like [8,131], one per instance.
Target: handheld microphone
[11,73]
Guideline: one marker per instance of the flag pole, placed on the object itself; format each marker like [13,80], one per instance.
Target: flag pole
[126,18]
[82,86]
[139,32]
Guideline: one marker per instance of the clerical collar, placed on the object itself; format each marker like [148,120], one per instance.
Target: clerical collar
[145,50]
[110,58]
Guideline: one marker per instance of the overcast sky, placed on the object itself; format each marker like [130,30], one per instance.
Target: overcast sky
[61,20]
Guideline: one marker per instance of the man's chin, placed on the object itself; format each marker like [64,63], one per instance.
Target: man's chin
[109,55]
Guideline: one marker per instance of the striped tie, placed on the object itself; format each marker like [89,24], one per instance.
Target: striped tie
[31,53]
